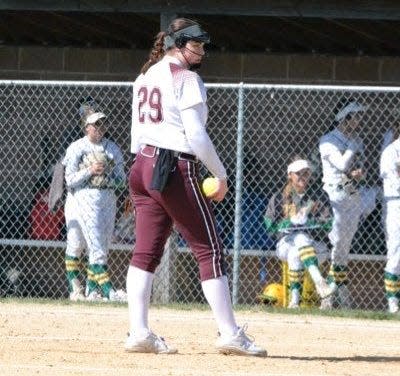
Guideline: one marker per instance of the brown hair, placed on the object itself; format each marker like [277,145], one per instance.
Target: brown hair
[288,188]
[158,52]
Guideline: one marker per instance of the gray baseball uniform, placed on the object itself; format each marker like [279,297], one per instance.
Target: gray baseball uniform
[90,208]
[339,156]
[390,173]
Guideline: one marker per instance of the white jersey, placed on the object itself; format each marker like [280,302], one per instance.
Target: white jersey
[158,97]
[77,177]
[389,169]
[388,138]
[339,155]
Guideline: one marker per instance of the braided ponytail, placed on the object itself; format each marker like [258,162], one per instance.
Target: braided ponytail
[287,198]
[156,53]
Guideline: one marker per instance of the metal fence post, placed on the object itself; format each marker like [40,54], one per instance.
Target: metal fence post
[238,195]
[272,122]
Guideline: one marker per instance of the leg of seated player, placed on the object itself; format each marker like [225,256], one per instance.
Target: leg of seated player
[296,275]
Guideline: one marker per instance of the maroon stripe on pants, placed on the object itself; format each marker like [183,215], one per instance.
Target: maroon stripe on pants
[181,203]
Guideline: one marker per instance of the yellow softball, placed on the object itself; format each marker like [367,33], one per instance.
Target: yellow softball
[209,187]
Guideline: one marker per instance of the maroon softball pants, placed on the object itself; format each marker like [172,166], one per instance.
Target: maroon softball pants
[181,204]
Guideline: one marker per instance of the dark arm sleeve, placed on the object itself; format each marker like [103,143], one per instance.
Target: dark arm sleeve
[271,214]
[323,216]
[324,213]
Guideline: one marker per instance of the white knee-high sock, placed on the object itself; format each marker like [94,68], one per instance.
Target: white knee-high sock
[138,286]
[295,296]
[315,273]
[217,294]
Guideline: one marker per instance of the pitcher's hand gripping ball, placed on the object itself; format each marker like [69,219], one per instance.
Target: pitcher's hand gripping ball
[210,187]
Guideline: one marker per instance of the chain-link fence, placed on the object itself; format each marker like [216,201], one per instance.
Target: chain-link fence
[256,130]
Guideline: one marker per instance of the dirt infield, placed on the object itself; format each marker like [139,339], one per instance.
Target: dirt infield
[56,339]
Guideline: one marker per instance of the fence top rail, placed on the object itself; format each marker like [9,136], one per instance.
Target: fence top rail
[212,85]
[65,83]
[308,87]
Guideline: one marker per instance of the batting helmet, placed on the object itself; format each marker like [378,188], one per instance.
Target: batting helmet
[273,294]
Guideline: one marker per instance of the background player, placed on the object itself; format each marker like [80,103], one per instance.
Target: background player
[93,171]
[390,173]
[169,137]
[342,155]
[298,215]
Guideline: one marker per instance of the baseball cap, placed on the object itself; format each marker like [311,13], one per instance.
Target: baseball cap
[300,164]
[92,118]
[351,108]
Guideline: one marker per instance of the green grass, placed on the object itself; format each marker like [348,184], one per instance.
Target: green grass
[56,302]
[352,314]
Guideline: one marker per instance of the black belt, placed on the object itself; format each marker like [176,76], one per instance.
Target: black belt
[150,151]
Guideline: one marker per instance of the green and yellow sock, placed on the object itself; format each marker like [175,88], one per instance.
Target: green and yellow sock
[296,279]
[99,275]
[392,285]
[91,283]
[308,256]
[72,266]
[338,275]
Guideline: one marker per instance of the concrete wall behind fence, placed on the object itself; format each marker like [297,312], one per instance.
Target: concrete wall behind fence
[49,63]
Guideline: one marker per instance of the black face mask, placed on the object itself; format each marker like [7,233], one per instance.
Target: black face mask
[193,67]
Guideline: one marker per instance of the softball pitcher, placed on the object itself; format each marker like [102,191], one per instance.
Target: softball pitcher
[298,216]
[342,155]
[93,171]
[390,173]
[169,139]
